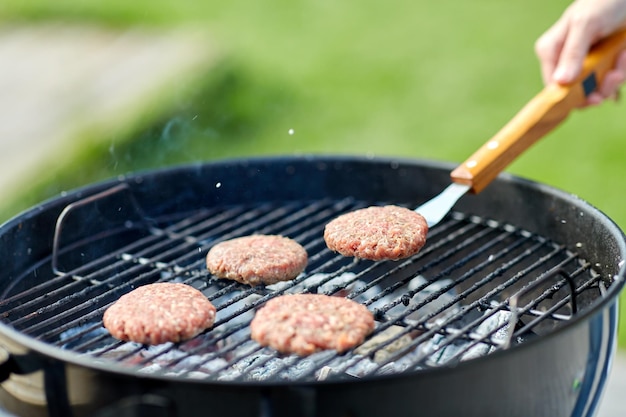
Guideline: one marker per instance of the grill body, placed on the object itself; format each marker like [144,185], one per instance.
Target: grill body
[561,372]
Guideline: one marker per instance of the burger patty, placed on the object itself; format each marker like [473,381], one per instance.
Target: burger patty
[306,323]
[377,233]
[257,259]
[157,313]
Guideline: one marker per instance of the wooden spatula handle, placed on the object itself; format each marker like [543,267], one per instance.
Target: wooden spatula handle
[543,113]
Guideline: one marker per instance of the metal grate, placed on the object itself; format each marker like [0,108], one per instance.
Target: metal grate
[478,286]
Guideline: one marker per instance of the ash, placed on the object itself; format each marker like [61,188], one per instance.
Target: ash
[446,335]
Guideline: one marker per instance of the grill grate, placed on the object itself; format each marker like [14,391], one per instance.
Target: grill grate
[466,295]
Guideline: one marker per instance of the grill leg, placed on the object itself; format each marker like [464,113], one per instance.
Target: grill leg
[55,385]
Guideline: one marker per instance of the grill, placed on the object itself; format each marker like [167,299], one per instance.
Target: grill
[509,309]
[465,295]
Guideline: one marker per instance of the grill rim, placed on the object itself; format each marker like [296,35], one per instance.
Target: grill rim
[12,336]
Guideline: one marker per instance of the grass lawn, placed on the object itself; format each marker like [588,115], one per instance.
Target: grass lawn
[430,80]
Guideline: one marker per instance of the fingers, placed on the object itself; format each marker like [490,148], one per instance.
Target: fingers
[612,81]
[548,49]
[563,47]
[575,49]
[594,99]
[620,69]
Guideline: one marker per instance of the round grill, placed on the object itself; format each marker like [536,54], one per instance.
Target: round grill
[509,309]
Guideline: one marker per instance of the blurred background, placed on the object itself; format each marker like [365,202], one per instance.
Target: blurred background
[94,89]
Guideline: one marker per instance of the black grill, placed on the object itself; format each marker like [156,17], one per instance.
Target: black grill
[478,286]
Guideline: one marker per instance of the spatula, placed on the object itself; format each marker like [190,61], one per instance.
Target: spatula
[542,114]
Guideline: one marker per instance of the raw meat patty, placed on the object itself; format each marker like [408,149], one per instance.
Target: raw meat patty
[257,259]
[306,323]
[157,313]
[377,233]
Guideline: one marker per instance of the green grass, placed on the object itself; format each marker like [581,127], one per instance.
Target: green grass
[430,80]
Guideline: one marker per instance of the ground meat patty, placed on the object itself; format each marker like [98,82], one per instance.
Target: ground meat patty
[377,233]
[257,259]
[157,313]
[306,323]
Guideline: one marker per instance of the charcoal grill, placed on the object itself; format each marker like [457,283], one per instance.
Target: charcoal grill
[510,308]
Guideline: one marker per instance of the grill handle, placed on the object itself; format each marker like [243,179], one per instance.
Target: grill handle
[9,365]
[91,200]
[18,364]
[542,114]
[514,300]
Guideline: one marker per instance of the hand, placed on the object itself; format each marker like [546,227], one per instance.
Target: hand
[563,47]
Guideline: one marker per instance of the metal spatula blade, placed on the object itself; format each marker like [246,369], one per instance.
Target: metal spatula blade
[436,208]
[538,117]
